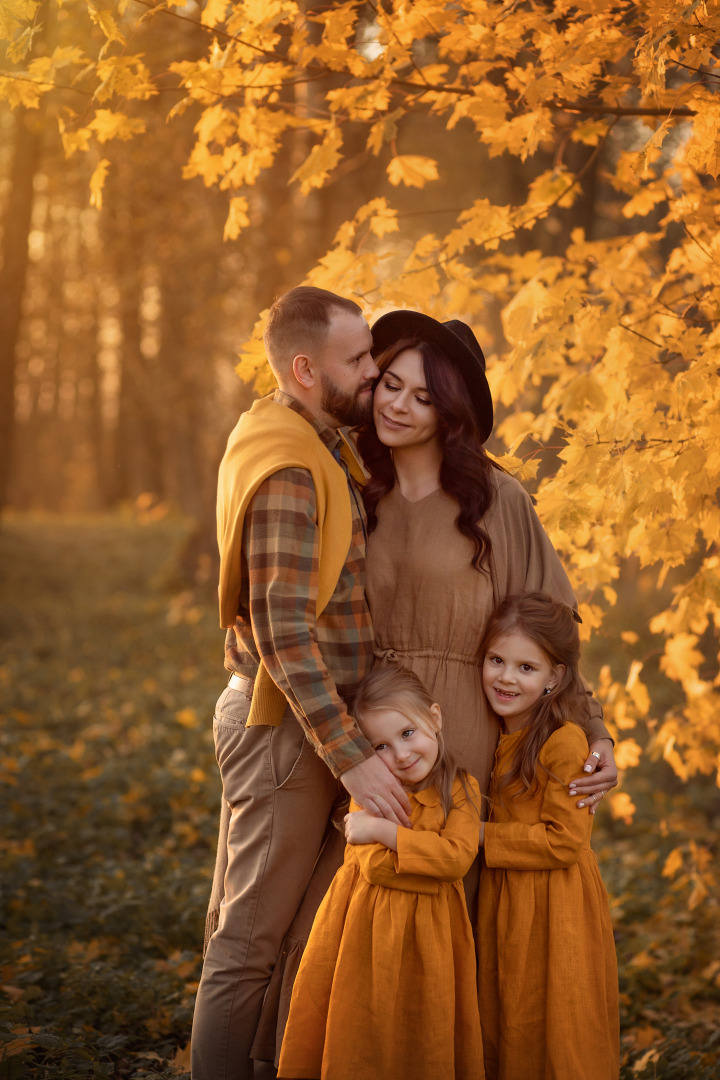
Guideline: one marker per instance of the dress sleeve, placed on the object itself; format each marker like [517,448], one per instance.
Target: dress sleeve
[425,858]
[280,541]
[526,561]
[449,854]
[557,839]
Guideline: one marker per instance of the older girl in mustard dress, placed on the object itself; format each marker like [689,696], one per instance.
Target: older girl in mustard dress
[548,974]
[387,983]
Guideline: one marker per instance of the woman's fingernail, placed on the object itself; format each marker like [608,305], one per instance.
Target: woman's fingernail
[580,805]
[587,768]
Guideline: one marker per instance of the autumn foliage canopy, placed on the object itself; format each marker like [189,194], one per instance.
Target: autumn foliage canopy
[601,330]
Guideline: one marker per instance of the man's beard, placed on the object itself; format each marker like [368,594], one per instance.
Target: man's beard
[351,410]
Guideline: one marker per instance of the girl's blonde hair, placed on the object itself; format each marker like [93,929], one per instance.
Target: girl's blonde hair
[553,627]
[396,688]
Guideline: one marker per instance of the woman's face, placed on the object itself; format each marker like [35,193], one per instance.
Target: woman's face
[403,414]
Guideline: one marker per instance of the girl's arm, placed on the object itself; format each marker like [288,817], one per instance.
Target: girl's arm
[557,839]
[420,859]
[449,854]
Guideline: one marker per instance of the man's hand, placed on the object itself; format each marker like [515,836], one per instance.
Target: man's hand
[603,775]
[373,786]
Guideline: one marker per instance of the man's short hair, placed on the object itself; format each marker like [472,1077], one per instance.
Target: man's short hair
[298,322]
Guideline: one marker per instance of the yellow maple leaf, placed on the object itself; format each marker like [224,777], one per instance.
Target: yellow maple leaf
[214,12]
[316,168]
[237,218]
[681,658]
[14,13]
[97,182]
[622,807]
[115,125]
[412,170]
[703,153]
[20,92]
[187,717]
[627,754]
[673,863]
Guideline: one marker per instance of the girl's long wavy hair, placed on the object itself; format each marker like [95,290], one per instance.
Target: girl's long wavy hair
[552,626]
[466,469]
[396,688]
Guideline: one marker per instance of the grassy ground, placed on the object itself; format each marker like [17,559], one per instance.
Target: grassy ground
[108,675]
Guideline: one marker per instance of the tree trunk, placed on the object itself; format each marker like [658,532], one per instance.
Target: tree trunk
[16,227]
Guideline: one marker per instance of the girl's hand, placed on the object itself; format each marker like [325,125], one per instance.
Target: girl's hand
[364,828]
[359,827]
[603,775]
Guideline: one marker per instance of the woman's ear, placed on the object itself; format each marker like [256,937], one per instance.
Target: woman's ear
[436,716]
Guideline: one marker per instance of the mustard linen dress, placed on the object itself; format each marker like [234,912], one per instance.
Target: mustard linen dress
[387,984]
[548,983]
[430,607]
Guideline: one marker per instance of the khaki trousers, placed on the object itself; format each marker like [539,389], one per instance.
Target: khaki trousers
[280,798]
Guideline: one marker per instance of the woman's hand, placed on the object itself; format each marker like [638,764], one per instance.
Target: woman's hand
[602,775]
[364,828]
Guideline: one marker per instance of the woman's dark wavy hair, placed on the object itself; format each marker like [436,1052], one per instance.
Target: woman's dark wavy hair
[553,627]
[466,469]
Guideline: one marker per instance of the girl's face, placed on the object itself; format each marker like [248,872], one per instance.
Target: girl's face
[408,750]
[402,411]
[516,673]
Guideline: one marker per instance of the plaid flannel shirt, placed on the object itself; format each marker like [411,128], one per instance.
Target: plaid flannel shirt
[313,660]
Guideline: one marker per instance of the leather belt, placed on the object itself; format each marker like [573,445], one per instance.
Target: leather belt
[243,683]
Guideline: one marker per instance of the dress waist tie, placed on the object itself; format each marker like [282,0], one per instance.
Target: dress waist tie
[400,656]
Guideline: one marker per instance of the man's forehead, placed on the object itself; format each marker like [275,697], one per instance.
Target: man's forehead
[349,328]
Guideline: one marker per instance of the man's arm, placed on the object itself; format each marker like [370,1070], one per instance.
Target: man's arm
[280,542]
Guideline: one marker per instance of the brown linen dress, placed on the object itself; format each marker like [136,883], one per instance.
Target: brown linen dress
[548,980]
[430,607]
[387,987]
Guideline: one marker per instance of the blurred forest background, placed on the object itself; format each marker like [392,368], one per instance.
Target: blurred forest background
[546,172]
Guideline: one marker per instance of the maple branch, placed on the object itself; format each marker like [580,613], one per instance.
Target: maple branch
[637,333]
[158,9]
[698,71]
[595,108]
[41,82]
[686,318]
[618,110]
[696,241]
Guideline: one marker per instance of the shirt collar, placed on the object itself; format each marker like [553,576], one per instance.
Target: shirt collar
[328,435]
[429,796]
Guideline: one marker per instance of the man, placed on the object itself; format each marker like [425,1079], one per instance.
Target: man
[291,531]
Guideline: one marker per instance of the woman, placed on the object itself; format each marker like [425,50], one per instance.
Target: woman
[450,533]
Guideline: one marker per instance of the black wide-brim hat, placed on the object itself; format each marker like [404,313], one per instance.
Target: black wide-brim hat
[456,340]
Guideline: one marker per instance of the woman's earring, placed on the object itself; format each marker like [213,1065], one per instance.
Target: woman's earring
[548,689]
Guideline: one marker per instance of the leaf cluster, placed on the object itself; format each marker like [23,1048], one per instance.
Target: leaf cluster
[602,356]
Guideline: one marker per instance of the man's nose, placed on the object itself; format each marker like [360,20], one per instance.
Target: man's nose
[371,369]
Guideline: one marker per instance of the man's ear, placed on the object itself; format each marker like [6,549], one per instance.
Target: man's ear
[437,716]
[304,371]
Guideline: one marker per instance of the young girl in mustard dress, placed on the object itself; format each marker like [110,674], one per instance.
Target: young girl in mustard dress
[547,969]
[387,984]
